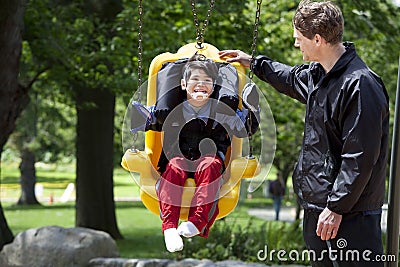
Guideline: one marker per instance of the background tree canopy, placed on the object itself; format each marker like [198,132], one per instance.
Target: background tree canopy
[80,59]
[72,45]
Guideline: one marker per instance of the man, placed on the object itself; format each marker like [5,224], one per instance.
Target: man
[340,174]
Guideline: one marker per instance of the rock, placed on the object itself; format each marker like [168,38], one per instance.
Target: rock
[54,246]
[4,264]
[121,262]
[229,263]
[114,262]
[191,263]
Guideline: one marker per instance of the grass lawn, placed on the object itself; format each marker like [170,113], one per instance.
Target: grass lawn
[141,228]
[54,179]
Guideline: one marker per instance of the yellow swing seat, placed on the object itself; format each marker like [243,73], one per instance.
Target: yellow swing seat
[145,162]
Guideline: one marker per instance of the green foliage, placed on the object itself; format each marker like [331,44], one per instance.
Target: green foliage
[375,29]
[74,48]
[45,127]
[80,47]
[235,241]
[276,41]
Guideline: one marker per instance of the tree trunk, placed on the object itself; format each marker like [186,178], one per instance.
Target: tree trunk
[13,97]
[6,235]
[287,170]
[95,207]
[28,178]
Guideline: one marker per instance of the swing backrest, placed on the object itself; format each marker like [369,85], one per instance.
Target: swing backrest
[163,80]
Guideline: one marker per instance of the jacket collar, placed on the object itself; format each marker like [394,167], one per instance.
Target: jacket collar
[318,71]
[203,113]
[347,56]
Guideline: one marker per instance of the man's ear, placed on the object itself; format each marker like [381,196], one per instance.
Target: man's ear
[318,39]
[183,84]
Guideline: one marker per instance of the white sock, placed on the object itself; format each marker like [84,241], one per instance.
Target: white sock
[173,241]
[188,229]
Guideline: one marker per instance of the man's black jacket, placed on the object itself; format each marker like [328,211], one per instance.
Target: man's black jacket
[342,163]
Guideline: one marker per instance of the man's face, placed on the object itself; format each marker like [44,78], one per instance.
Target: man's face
[198,85]
[306,46]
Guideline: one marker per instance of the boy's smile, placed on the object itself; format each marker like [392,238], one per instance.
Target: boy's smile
[199,87]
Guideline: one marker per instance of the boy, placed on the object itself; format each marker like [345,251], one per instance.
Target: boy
[196,138]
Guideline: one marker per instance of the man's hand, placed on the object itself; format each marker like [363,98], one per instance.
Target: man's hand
[236,56]
[328,224]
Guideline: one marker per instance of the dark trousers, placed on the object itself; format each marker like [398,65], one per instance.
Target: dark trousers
[277,205]
[358,242]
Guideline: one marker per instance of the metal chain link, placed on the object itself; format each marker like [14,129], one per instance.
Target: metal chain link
[140,50]
[255,35]
[140,67]
[253,53]
[200,32]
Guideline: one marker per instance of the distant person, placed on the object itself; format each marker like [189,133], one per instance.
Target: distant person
[277,191]
[340,174]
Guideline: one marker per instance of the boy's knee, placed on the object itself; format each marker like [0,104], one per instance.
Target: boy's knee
[210,162]
[176,165]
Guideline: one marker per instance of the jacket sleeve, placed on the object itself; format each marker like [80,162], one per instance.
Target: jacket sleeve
[363,114]
[291,81]
[242,124]
[140,117]
[152,122]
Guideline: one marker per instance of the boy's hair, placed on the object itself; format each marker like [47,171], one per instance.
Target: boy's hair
[323,18]
[198,61]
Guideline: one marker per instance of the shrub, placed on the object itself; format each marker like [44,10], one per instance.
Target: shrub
[233,241]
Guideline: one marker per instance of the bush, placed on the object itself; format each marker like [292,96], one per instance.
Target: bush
[232,241]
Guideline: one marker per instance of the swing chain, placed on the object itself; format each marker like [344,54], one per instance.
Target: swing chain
[200,33]
[140,66]
[253,53]
[140,50]
[255,36]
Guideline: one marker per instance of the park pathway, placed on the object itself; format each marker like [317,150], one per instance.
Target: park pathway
[287,214]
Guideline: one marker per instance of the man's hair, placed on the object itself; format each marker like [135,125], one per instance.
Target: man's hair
[323,18]
[198,61]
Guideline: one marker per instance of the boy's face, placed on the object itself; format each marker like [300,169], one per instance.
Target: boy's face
[199,87]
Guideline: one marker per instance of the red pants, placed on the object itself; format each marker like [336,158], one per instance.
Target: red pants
[204,205]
